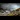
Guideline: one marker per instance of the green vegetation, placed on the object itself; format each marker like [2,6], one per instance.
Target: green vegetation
[10,14]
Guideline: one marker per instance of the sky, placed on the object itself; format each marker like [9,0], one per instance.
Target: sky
[11,6]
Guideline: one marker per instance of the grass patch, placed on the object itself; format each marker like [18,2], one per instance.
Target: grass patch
[10,14]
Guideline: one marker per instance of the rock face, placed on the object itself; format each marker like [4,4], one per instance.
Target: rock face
[18,11]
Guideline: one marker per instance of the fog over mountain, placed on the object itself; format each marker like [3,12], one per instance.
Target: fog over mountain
[11,6]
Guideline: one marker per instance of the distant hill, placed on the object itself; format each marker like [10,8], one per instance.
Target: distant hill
[18,9]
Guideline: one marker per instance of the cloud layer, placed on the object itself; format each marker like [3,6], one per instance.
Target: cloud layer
[10,6]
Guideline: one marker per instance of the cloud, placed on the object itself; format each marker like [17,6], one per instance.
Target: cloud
[10,6]
[13,7]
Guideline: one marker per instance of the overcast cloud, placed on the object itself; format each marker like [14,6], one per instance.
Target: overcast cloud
[10,6]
